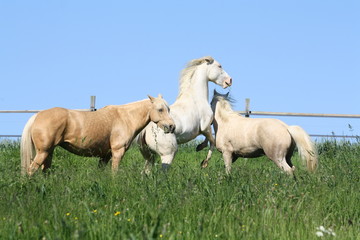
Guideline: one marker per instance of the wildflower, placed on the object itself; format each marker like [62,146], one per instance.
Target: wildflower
[117,213]
[129,219]
[68,214]
[94,211]
[322,231]
[160,235]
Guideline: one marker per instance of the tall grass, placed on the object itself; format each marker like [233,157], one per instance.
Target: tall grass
[79,201]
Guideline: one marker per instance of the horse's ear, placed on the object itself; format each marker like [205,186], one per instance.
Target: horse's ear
[151,98]
[160,96]
[209,60]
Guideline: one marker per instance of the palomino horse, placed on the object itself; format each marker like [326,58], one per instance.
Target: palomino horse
[106,133]
[191,112]
[237,136]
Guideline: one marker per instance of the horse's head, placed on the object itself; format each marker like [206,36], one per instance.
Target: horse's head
[160,114]
[218,97]
[216,73]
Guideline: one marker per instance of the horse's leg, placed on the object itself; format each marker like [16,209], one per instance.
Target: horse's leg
[47,163]
[282,164]
[149,160]
[146,152]
[104,161]
[278,155]
[39,159]
[289,155]
[228,159]
[281,161]
[202,145]
[117,155]
[288,159]
[208,134]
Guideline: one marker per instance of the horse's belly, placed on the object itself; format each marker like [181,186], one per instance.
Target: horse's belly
[95,149]
[249,152]
[186,136]
[239,149]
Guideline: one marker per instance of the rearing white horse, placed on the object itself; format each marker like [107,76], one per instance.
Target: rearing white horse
[191,113]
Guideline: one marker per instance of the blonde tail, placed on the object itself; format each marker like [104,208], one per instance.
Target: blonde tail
[27,151]
[305,146]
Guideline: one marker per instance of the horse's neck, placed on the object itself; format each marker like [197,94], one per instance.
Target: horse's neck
[198,89]
[223,114]
[138,114]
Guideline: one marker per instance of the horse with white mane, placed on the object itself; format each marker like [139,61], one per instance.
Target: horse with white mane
[191,112]
[106,133]
[237,136]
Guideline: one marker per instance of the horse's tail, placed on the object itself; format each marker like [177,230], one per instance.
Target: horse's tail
[27,151]
[305,147]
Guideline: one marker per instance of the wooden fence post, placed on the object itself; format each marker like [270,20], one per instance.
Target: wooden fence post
[247,107]
[92,103]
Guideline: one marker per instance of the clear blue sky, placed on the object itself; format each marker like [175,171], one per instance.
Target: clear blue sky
[286,56]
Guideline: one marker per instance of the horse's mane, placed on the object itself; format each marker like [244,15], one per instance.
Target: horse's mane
[188,72]
[224,106]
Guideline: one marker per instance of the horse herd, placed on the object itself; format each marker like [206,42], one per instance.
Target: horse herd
[109,132]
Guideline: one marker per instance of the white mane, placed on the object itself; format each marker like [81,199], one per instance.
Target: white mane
[188,73]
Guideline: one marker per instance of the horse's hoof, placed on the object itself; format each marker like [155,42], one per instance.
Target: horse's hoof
[165,166]
[204,164]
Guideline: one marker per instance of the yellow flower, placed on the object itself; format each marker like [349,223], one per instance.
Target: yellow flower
[68,214]
[117,213]
[129,219]
[161,236]
[94,211]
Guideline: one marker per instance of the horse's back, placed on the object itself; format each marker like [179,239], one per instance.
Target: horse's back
[273,131]
[90,125]
[248,134]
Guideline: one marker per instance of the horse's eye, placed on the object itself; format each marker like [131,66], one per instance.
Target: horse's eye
[220,66]
[161,110]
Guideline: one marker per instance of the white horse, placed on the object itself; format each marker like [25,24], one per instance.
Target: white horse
[191,113]
[237,136]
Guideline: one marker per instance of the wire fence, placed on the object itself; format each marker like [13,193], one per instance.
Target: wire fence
[91,109]
[246,113]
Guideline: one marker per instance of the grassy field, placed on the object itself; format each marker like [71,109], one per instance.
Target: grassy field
[79,201]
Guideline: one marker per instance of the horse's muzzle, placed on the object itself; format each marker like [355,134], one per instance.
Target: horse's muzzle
[170,128]
[227,83]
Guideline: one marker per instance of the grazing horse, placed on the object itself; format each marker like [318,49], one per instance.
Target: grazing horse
[106,133]
[191,112]
[237,136]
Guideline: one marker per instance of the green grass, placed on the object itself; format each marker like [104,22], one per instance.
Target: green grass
[79,201]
